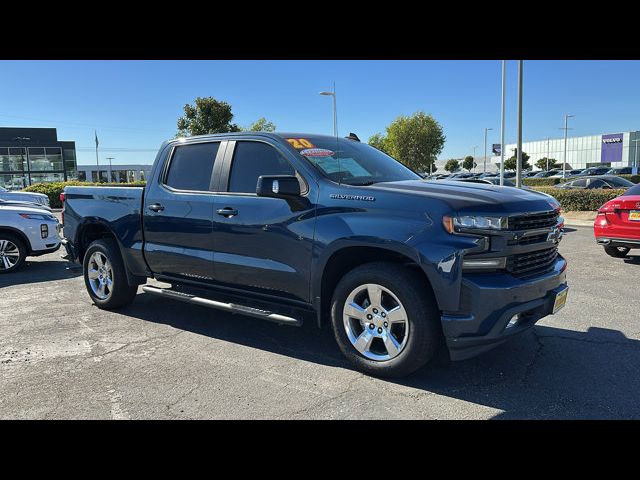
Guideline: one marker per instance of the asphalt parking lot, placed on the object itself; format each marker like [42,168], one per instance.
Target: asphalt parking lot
[61,357]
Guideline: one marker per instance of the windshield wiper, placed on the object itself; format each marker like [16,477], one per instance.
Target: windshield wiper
[364,184]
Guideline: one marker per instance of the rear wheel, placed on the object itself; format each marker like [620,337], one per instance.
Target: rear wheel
[12,253]
[618,252]
[105,276]
[385,319]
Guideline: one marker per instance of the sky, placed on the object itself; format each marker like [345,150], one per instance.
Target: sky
[134,105]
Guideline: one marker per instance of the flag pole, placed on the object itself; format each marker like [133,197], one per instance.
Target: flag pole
[97,164]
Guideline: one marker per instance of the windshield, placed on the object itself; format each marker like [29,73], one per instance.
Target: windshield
[619,182]
[351,162]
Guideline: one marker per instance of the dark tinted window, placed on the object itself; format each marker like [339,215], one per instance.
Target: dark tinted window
[596,184]
[252,159]
[191,166]
[619,182]
[579,183]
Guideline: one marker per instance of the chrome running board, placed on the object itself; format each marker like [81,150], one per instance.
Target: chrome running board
[229,307]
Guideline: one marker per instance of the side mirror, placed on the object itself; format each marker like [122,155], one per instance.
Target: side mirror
[278,186]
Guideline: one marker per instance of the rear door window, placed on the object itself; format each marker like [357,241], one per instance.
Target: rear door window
[191,167]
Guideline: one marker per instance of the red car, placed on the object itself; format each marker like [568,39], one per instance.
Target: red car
[617,225]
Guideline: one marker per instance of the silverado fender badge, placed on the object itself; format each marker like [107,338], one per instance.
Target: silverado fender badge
[340,196]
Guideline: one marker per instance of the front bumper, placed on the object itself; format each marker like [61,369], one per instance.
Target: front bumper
[490,301]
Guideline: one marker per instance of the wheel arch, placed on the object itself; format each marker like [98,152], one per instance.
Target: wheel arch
[346,256]
[20,234]
[94,229]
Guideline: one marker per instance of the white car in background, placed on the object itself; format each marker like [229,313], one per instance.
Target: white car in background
[39,198]
[26,231]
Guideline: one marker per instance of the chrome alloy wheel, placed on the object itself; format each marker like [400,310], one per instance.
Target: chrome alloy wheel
[100,275]
[9,254]
[376,322]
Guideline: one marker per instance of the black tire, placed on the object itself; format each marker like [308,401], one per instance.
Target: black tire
[617,252]
[425,333]
[121,293]
[22,252]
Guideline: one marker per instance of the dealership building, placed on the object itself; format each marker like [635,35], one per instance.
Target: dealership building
[34,155]
[608,149]
[114,173]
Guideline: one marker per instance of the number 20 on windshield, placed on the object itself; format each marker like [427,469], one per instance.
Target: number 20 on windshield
[300,143]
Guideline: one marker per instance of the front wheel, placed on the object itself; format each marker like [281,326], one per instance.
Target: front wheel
[105,276]
[12,253]
[617,252]
[385,319]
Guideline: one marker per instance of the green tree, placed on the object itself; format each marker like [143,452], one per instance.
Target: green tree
[414,140]
[452,165]
[377,140]
[510,163]
[542,163]
[468,163]
[262,125]
[206,115]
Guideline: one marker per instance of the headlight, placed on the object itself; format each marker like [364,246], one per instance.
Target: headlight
[38,216]
[474,222]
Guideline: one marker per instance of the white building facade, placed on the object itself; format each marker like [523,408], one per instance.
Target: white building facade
[115,173]
[607,149]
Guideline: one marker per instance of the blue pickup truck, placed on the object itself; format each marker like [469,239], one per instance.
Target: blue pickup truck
[293,227]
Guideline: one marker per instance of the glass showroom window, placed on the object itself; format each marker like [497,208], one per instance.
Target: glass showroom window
[70,159]
[16,160]
[46,177]
[82,175]
[14,182]
[131,176]
[38,160]
[54,157]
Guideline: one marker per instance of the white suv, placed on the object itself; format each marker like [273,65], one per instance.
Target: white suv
[26,231]
[39,198]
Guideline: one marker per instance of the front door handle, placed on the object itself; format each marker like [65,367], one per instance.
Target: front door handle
[156,207]
[227,212]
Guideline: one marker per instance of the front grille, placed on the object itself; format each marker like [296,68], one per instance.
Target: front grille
[531,239]
[533,221]
[531,264]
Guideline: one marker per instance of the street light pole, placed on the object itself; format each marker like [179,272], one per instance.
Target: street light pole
[519,157]
[504,71]
[547,154]
[564,160]
[485,148]
[635,156]
[335,111]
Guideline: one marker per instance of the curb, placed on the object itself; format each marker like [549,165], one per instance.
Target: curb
[578,223]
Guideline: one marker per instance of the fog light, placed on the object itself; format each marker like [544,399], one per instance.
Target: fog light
[513,322]
[44,230]
[484,263]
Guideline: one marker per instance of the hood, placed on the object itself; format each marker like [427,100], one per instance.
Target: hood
[24,208]
[23,203]
[476,197]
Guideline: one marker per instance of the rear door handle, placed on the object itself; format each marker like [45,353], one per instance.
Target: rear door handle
[156,207]
[227,212]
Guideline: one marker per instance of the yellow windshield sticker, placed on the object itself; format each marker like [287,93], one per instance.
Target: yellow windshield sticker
[300,143]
